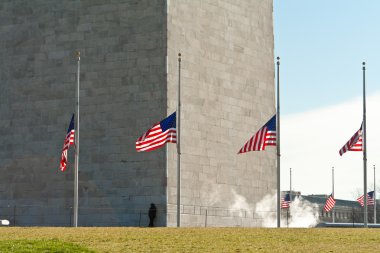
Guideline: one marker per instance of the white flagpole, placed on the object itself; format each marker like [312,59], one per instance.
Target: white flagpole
[374,194]
[178,145]
[290,188]
[364,134]
[278,146]
[290,196]
[76,150]
[333,209]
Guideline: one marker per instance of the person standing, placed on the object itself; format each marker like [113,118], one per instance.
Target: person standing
[152,214]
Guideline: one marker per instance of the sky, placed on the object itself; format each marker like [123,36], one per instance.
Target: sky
[322,45]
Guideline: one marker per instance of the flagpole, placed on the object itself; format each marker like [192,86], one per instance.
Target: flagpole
[278,146]
[178,144]
[374,194]
[76,150]
[290,196]
[333,209]
[365,152]
[290,188]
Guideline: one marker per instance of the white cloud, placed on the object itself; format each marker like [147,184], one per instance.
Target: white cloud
[310,143]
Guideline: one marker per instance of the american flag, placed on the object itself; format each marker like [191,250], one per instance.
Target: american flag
[285,201]
[330,203]
[370,199]
[266,136]
[354,144]
[69,140]
[159,134]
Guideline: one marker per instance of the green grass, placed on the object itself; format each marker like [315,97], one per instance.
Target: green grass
[53,239]
[42,246]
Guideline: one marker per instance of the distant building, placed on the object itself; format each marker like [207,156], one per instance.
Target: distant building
[345,211]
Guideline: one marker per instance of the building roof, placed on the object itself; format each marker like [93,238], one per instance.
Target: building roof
[320,199]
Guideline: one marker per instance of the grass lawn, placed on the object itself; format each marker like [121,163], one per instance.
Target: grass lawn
[120,239]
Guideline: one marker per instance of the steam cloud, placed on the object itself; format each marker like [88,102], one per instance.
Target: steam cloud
[240,202]
[302,213]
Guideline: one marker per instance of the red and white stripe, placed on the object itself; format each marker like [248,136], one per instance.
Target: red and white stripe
[69,140]
[63,163]
[330,203]
[270,138]
[155,138]
[370,201]
[72,137]
[284,204]
[260,140]
[354,144]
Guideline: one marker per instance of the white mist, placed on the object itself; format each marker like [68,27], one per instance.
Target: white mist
[302,213]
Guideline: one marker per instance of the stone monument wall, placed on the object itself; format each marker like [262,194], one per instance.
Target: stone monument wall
[122,93]
[227,95]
